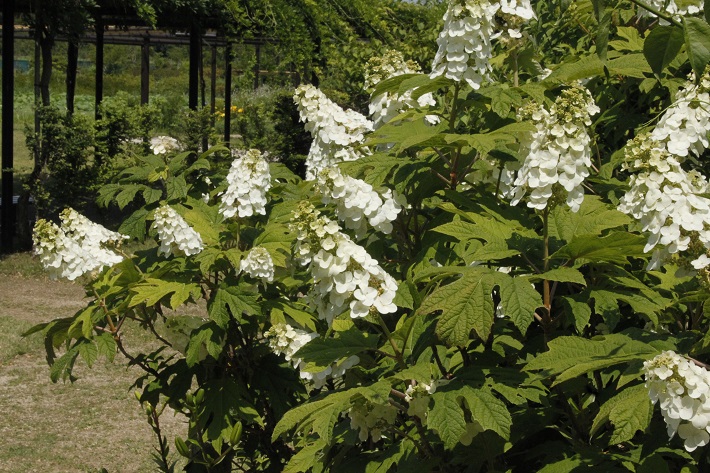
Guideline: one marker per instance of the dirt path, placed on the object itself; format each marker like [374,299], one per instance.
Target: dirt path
[82,427]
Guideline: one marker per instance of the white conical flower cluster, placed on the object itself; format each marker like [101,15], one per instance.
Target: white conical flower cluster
[685,125]
[76,247]
[335,131]
[248,181]
[358,203]
[345,275]
[668,201]
[558,153]
[370,420]
[386,106]
[671,7]
[258,264]
[286,340]
[465,47]
[174,233]
[164,144]
[682,390]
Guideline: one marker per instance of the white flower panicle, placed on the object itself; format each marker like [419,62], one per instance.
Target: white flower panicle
[248,181]
[671,7]
[666,200]
[558,152]
[386,106]
[258,264]
[286,340]
[175,234]
[344,274]
[418,397]
[684,127]
[682,390]
[370,419]
[465,43]
[513,14]
[358,203]
[335,131]
[164,144]
[77,247]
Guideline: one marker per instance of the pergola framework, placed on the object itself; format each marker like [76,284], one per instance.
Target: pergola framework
[133,32]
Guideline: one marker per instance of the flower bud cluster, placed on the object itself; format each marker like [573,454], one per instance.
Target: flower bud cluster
[668,201]
[248,181]
[258,264]
[286,340]
[558,152]
[465,43]
[358,203]
[418,397]
[76,247]
[344,274]
[370,419]
[685,125]
[164,144]
[174,233]
[335,131]
[386,106]
[682,390]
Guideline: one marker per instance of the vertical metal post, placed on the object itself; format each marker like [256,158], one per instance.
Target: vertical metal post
[7,217]
[194,66]
[145,71]
[72,65]
[213,82]
[99,73]
[227,94]
[257,66]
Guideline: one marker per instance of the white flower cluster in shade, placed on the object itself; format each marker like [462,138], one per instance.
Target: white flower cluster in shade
[175,234]
[670,7]
[335,131]
[682,390]
[685,125]
[258,264]
[77,247]
[164,144]
[357,203]
[248,181]
[558,152]
[418,397]
[370,419]
[286,340]
[668,201]
[344,274]
[465,43]
[386,106]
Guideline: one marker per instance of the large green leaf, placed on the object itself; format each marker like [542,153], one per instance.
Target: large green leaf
[466,305]
[306,458]
[152,290]
[204,340]
[488,410]
[697,43]
[629,411]
[319,353]
[447,417]
[616,247]
[232,301]
[593,217]
[661,46]
[519,300]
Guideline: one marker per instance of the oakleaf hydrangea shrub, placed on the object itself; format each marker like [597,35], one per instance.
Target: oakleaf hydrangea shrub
[399,310]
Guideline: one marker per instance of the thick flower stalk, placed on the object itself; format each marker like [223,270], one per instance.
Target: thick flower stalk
[286,340]
[164,144]
[685,126]
[248,181]
[371,420]
[77,247]
[175,234]
[357,203]
[682,390]
[558,153]
[258,264]
[336,132]
[668,201]
[386,106]
[465,43]
[344,274]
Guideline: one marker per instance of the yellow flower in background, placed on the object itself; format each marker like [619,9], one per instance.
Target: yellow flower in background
[241,110]
[234,108]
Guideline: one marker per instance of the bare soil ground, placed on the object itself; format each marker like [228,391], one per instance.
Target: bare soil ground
[93,423]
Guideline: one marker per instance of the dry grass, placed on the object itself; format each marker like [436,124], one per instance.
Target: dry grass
[92,424]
